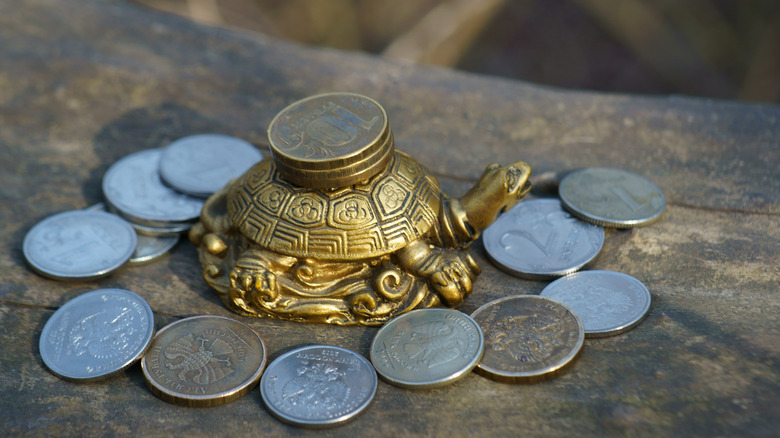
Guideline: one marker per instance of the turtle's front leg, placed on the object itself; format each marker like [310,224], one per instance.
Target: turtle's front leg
[450,272]
[254,276]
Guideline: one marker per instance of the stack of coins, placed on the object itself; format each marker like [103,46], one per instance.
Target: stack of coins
[155,196]
[355,129]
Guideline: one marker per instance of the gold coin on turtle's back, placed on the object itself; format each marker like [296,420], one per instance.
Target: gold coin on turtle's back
[328,133]
[528,338]
[204,361]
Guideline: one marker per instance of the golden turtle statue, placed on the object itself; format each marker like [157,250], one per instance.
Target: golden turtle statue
[339,227]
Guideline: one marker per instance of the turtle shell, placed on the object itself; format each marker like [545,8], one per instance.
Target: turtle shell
[362,221]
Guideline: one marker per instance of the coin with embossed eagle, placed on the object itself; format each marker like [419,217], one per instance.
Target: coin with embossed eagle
[204,361]
[427,348]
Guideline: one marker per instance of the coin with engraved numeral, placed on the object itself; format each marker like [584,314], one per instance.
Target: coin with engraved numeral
[318,386]
[611,197]
[539,240]
[199,165]
[204,361]
[133,189]
[79,245]
[608,302]
[427,348]
[527,338]
[97,335]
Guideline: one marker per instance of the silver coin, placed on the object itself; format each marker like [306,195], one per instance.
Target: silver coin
[150,248]
[611,197]
[427,348]
[133,188]
[318,386]
[609,303]
[79,245]
[539,240]
[199,165]
[97,334]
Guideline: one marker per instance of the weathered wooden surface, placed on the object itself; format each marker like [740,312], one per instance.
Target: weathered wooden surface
[83,83]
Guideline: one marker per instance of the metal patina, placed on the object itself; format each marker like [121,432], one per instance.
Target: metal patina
[339,227]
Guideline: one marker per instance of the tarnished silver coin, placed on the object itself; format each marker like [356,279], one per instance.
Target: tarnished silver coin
[199,165]
[79,245]
[609,303]
[132,187]
[318,386]
[147,247]
[528,338]
[97,334]
[204,361]
[539,240]
[611,197]
[427,348]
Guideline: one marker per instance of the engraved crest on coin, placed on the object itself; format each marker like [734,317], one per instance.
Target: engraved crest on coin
[537,239]
[318,386]
[527,337]
[204,361]
[427,348]
[97,334]
[608,302]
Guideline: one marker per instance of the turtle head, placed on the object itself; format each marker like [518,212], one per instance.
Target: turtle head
[498,189]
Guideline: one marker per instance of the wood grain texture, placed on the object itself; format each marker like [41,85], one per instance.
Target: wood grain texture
[84,83]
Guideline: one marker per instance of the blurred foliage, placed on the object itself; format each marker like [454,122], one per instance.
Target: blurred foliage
[714,48]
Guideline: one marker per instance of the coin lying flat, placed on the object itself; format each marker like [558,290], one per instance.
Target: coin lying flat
[199,165]
[608,302]
[147,247]
[527,338]
[78,245]
[427,348]
[133,189]
[204,361]
[539,240]
[97,334]
[175,230]
[318,386]
[611,197]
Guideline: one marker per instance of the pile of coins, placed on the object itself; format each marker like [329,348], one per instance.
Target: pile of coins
[153,196]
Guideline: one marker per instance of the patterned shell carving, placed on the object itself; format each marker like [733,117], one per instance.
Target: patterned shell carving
[391,210]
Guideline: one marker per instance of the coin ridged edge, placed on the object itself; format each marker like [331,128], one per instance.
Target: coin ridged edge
[547,373]
[210,400]
[447,380]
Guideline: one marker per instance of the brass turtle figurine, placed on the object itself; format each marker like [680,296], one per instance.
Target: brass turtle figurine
[339,227]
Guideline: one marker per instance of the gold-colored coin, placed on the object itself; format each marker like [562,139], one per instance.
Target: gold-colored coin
[328,131]
[528,338]
[343,176]
[204,361]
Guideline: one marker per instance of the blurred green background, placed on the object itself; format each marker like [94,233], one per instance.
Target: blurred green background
[714,48]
